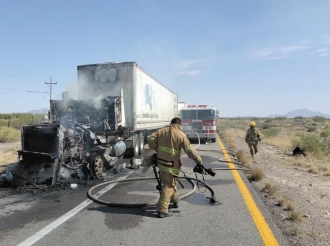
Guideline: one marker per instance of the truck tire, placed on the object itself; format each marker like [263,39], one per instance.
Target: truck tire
[141,143]
[136,148]
[213,140]
[97,166]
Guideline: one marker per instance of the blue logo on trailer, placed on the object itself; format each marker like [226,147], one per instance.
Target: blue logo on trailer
[149,95]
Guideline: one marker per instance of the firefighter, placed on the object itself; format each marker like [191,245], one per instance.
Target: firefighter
[252,138]
[168,142]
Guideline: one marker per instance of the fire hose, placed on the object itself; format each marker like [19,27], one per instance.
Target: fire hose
[134,205]
[189,179]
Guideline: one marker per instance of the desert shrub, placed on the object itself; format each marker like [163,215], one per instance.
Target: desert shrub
[281,201]
[241,156]
[290,205]
[9,134]
[298,118]
[271,132]
[295,216]
[269,188]
[319,119]
[313,170]
[265,125]
[325,133]
[257,174]
[280,117]
[312,129]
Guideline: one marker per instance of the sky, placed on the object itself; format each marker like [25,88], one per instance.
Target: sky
[246,58]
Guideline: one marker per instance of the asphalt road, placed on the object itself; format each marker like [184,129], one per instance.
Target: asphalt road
[69,218]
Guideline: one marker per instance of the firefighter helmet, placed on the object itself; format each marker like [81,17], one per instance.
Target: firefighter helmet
[253,123]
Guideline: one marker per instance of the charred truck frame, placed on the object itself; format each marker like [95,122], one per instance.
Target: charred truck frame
[118,106]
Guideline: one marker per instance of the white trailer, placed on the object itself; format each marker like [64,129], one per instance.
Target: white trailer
[141,103]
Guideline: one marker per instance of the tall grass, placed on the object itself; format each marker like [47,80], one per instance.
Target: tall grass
[17,120]
[325,133]
[270,132]
[9,134]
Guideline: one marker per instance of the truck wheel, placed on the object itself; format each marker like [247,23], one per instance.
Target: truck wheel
[141,143]
[136,144]
[97,166]
[213,140]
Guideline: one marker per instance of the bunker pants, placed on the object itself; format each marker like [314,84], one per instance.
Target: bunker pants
[169,193]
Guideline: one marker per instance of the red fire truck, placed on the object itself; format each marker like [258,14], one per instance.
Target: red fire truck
[201,119]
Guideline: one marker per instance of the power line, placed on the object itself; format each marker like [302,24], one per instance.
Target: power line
[23,90]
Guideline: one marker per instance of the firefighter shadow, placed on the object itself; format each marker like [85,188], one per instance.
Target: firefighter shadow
[147,211]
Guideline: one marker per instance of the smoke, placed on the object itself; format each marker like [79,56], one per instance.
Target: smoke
[97,82]
[72,88]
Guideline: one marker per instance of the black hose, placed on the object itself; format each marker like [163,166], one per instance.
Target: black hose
[134,205]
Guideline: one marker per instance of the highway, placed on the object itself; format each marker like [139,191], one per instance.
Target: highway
[70,218]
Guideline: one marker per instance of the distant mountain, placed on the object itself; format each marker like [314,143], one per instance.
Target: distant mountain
[39,111]
[300,112]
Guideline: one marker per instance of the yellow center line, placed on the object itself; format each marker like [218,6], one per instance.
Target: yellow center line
[259,220]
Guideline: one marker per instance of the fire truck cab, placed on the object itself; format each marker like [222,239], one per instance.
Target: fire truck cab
[201,120]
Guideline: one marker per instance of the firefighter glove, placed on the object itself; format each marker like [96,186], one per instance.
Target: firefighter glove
[198,169]
[154,159]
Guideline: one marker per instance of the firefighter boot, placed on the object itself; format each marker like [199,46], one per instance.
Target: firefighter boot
[175,204]
[164,215]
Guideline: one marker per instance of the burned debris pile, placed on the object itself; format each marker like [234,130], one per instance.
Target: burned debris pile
[75,142]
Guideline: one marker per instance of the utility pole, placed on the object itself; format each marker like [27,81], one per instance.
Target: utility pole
[51,84]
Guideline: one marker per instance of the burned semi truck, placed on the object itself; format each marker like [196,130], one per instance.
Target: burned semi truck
[119,105]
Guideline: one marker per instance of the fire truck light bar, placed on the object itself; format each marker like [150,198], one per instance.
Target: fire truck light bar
[197,106]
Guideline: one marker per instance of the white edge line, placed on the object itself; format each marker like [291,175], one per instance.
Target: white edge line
[43,232]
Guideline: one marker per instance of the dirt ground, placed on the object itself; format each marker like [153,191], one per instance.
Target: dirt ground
[307,192]
[4,147]
[8,153]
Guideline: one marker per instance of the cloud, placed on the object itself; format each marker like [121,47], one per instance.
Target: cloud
[192,72]
[326,39]
[281,52]
[322,52]
[184,64]
[292,48]
[186,67]
[262,53]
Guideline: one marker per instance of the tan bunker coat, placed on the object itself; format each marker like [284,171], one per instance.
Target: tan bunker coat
[168,142]
[252,138]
